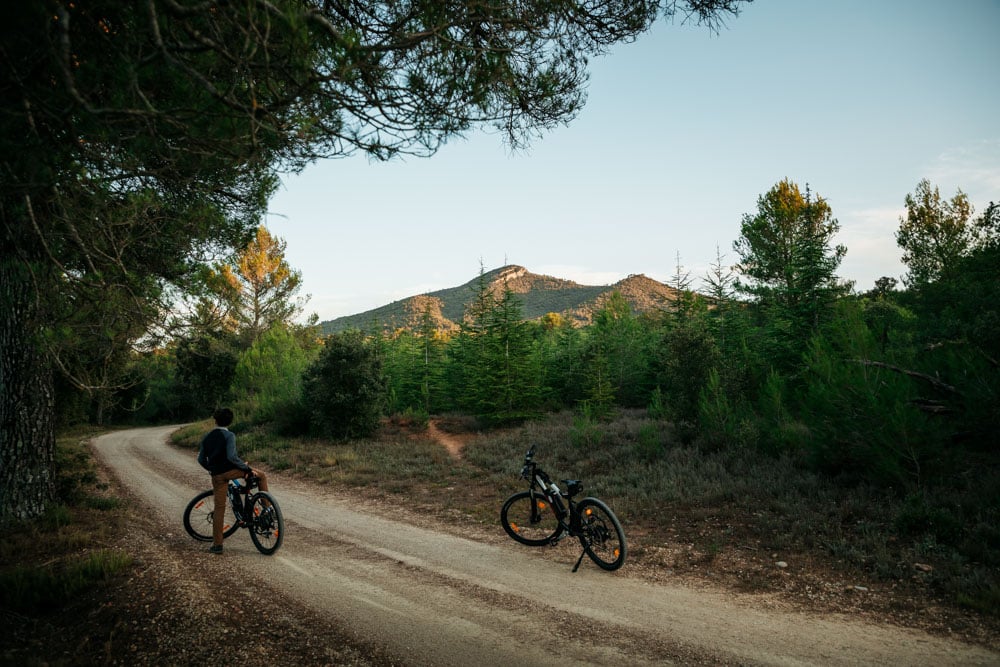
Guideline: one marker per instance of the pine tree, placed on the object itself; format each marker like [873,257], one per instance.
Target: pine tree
[256,289]
[786,254]
[498,377]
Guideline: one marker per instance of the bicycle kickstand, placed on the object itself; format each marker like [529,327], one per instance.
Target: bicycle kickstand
[578,560]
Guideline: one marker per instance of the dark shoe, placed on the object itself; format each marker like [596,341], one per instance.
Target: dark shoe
[215,549]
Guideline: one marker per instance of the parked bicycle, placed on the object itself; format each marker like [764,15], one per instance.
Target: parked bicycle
[544,514]
[259,512]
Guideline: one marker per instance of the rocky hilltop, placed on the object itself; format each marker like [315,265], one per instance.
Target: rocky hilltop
[539,295]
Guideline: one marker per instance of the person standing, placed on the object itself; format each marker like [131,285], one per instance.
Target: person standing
[217,454]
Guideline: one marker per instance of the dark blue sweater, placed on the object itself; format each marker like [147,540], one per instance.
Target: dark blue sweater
[217,453]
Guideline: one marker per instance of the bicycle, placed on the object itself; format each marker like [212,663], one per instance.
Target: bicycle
[539,517]
[259,512]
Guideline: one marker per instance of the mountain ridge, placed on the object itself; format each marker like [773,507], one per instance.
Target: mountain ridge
[540,295]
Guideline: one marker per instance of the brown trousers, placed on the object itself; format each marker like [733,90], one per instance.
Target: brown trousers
[219,484]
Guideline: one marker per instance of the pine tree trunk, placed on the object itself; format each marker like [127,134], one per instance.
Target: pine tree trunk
[27,434]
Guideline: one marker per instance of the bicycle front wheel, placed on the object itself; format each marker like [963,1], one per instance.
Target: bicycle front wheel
[529,518]
[601,535]
[200,512]
[267,526]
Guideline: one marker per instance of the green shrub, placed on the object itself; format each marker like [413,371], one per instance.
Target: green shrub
[651,442]
[344,388]
[586,431]
[103,503]
[919,516]
[979,590]
[657,405]
[55,516]
[411,418]
[724,421]
[32,589]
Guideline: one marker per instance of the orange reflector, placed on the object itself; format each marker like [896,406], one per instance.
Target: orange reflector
[198,506]
[617,552]
[589,511]
[515,528]
[541,505]
[226,527]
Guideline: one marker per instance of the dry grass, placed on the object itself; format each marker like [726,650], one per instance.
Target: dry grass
[683,508]
[65,553]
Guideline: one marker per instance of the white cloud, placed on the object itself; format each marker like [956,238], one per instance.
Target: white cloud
[870,237]
[873,221]
[974,168]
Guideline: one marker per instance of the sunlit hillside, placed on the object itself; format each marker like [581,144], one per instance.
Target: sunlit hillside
[539,295]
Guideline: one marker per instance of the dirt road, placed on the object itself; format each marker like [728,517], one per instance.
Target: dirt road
[425,596]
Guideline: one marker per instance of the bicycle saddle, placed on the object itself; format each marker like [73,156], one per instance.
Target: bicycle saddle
[573,486]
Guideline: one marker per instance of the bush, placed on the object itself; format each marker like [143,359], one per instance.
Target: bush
[920,517]
[586,431]
[724,422]
[31,588]
[344,389]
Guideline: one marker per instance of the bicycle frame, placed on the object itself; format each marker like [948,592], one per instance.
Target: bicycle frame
[541,483]
[544,514]
[239,505]
[253,509]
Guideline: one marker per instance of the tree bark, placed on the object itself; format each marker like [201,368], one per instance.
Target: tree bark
[27,410]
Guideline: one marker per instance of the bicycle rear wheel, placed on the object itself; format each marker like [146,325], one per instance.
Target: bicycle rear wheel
[601,535]
[532,526]
[198,516]
[267,526]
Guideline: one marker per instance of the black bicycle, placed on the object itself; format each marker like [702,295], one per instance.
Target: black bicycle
[259,512]
[544,514]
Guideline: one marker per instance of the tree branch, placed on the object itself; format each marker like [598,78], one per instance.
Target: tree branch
[933,381]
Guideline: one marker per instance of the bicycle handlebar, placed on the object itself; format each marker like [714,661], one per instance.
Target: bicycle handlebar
[530,469]
[252,481]
[529,464]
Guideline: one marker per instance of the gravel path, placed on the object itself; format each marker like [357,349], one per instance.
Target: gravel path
[394,585]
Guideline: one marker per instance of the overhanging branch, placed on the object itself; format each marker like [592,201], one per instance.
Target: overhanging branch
[930,379]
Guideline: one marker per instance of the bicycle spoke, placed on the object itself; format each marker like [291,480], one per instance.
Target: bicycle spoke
[266,524]
[601,535]
[529,519]
[199,514]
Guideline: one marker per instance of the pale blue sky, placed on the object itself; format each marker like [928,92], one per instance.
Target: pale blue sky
[682,132]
